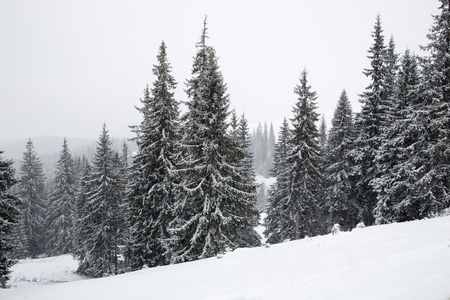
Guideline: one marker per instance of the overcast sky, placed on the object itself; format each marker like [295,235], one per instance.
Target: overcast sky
[68,66]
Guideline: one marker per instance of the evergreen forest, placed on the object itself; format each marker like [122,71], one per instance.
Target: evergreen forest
[189,192]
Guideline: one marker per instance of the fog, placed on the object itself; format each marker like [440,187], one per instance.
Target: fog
[69,66]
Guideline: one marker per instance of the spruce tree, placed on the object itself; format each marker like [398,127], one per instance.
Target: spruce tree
[62,205]
[245,181]
[340,205]
[275,222]
[417,185]
[33,196]
[390,81]
[323,142]
[211,211]
[396,155]
[125,158]
[82,218]
[305,162]
[154,175]
[104,219]
[433,178]
[9,217]
[374,115]
[234,126]
[294,205]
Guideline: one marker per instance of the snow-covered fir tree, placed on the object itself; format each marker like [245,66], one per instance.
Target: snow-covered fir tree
[396,155]
[370,122]
[390,81]
[9,217]
[433,166]
[62,205]
[340,205]
[32,193]
[102,235]
[214,208]
[82,220]
[415,183]
[304,162]
[245,181]
[125,158]
[294,204]
[275,222]
[152,190]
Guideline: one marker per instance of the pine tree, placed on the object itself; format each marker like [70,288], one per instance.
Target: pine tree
[390,81]
[246,183]
[9,217]
[374,115]
[396,155]
[154,178]
[294,207]
[125,158]
[434,178]
[102,224]
[275,221]
[340,205]
[62,205]
[234,126]
[33,197]
[82,218]
[211,211]
[305,161]
[323,141]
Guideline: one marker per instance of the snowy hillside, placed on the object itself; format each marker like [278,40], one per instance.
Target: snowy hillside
[399,261]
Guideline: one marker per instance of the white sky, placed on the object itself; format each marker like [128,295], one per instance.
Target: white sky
[68,66]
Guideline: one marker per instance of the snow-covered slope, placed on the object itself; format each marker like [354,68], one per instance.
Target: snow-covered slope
[398,261]
[44,271]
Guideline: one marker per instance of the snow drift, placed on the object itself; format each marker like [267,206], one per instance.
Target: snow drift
[398,261]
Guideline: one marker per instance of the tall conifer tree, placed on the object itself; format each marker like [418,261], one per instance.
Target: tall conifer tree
[9,217]
[103,221]
[370,121]
[154,178]
[294,205]
[340,205]
[396,155]
[212,211]
[434,176]
[82,218]
[33,196]
[276,222]
[62,205]
[305,163]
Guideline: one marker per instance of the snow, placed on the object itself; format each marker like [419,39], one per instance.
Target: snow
[44,271]
[397,261]
[267,181]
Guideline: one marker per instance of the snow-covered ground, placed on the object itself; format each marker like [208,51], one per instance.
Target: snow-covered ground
[398,261]
[44,271]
